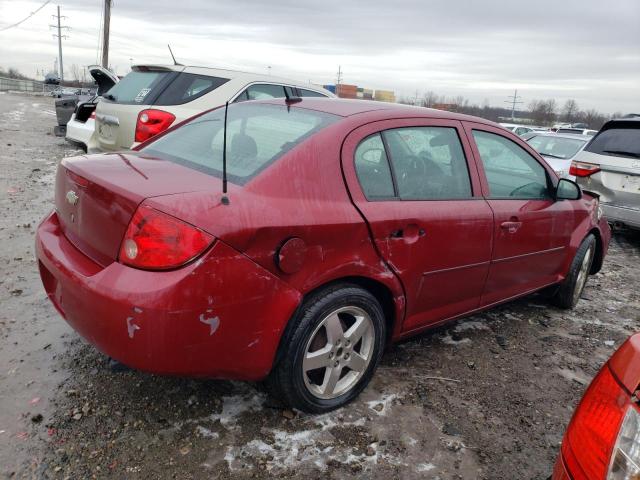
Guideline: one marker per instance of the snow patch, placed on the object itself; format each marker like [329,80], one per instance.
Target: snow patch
[385,401]
[448,340]
[470,325]
[206,433]
[609,343]
[235,405]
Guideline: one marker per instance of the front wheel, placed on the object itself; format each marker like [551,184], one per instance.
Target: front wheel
[571,288]
[334,348]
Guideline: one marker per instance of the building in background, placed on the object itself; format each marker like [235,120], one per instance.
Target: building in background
[344,90]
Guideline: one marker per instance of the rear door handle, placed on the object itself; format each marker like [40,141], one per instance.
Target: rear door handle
[410,231]
[511,227]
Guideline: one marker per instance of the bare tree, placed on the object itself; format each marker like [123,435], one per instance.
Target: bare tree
[569,110]
[75,72]
[429,99]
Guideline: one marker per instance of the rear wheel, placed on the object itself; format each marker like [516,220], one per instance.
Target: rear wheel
[571,288]
[335,344]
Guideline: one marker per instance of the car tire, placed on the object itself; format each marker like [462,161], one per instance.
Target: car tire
[570,290]
[330,350]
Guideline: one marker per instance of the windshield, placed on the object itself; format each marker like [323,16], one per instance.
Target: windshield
[557,147]
[257,135]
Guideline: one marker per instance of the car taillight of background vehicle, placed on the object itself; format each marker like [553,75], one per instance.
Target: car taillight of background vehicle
[603,438]
[151,122]
[157,241]
[93,115]
[583,169]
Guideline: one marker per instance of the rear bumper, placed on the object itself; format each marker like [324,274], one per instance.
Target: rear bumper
[220,316]
[626,215]
[81,133]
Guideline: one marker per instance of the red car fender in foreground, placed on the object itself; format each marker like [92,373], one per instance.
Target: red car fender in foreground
[602,440]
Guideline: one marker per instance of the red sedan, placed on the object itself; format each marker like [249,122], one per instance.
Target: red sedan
[603,438]
[347,224]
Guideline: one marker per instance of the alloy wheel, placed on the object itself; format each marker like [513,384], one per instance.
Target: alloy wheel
[338,352]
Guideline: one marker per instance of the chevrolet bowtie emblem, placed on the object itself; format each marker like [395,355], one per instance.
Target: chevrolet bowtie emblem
[72,197]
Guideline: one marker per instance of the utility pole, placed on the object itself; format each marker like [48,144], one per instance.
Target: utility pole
[338,80]
[60,37]
[105,34]
[513,100]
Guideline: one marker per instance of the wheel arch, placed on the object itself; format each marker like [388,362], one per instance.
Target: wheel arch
[391,305]
[598,258]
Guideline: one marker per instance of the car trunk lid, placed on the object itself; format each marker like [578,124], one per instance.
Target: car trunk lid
[96,196]
[619,178]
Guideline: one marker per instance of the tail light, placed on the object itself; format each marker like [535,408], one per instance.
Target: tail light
[93,115]
[157,241]
[151,122]
[583,169]
[595,445]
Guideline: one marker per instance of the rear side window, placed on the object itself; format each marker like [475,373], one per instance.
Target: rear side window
[372,168]
[511,172]
[257,135]
[139,87]
[620,142]
[429,163]
[187,87]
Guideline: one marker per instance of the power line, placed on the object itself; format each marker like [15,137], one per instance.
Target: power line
[513,100]
[25,19]
[60,36]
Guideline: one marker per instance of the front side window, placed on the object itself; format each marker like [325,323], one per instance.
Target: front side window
[310,93]
[264,92]
[257,135]
[429,163]
[372,168]
[511,172]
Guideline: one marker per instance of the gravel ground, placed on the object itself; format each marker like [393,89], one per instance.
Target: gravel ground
[486,397]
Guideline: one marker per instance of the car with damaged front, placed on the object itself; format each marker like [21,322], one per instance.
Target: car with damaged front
[291,240]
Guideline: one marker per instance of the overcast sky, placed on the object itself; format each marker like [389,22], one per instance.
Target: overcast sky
[588,50]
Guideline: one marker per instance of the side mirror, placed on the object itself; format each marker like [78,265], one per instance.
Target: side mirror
[568,190]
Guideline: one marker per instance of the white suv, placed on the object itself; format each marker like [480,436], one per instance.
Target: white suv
[151,98]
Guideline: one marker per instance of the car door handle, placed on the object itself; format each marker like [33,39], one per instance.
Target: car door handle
[410,231]
[511,227]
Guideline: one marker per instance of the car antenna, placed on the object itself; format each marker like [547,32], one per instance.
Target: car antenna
[174,58]
[225,198]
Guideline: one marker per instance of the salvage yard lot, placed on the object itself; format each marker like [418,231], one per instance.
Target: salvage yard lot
[486,397]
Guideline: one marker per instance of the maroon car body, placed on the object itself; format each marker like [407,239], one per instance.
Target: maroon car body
[223,313]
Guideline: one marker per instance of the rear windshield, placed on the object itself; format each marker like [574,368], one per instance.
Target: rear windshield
[556,146]
[137,87]
[621,142]
[257,135]
[162,88]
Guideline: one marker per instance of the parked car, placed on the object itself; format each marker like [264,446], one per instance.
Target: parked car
[557,149]
[603,439]
[610,166]
[81,126]
[151,98]
[577,131]
[519,130]
[347,224]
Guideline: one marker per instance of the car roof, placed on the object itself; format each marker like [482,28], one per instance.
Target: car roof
[347,107]
[578,136]
[229,74]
